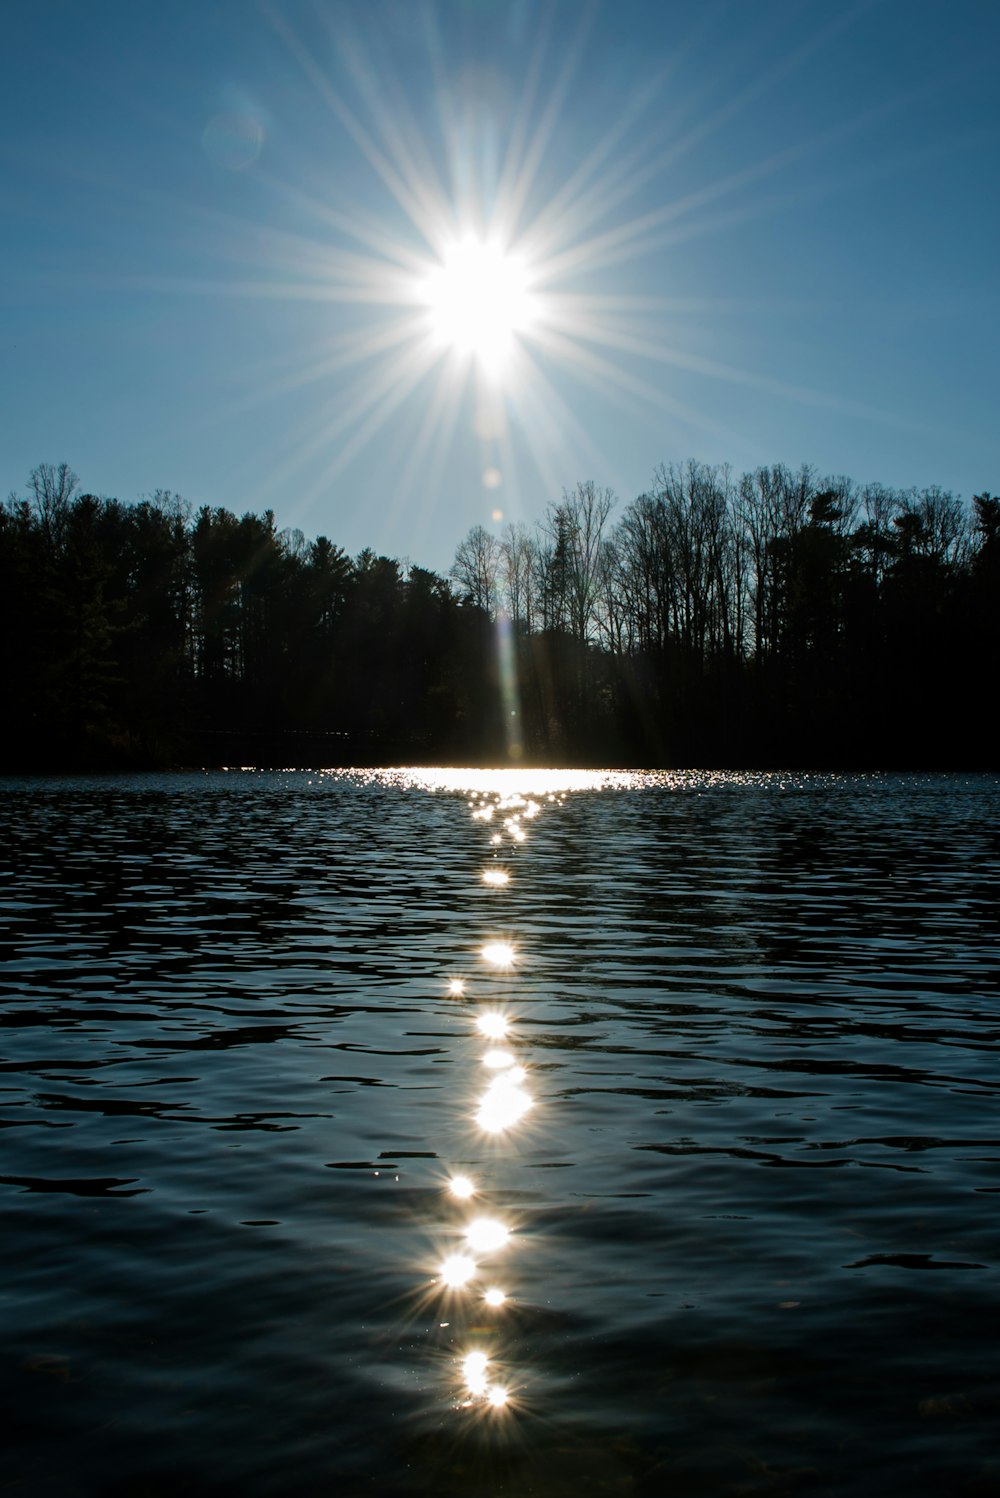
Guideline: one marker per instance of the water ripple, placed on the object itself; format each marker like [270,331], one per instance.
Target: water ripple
[753,1233]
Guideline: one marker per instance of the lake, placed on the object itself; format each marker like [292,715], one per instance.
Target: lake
[717,1062]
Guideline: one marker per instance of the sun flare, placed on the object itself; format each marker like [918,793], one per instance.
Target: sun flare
[479,302]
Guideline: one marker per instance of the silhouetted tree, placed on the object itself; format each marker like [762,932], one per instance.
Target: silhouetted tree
[777,617]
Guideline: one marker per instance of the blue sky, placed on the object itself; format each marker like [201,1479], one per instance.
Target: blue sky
[750,232]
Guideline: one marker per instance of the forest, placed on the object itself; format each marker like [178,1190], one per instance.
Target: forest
[769,619]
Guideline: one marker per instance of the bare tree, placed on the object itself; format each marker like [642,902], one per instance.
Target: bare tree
[773,506]
[476,567]
[518,550]
[52,489]
[936,525]
[574,532]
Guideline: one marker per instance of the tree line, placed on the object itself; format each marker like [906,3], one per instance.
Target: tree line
[770,618]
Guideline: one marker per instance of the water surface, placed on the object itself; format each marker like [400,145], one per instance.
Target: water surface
[752,1207]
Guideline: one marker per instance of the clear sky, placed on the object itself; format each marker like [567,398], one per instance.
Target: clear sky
[393,268]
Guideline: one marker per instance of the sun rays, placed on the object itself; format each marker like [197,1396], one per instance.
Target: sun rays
[491,286]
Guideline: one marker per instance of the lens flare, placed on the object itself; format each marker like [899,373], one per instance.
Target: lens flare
[456,988]
[494,1296]
[497,1396]
[461,1187]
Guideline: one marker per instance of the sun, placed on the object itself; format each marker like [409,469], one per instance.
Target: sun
[479,302]
[480,280]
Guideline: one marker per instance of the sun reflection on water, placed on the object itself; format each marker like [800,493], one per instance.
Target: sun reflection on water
[474,1366]
[503,1105]
[499,954]
[507,783]
[507,796]
[487,1235]
[493,1025]
[457,1270]
[497,1060]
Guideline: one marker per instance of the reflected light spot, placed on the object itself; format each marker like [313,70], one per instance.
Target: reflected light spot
[508,783]
[474,1366]
[457,1270]
[494,1297]
[497,1060]
[496,876]
[461,1187]
[499,954]
[497,1396]
[496,839]
[486,1234]
[493,1025]
[456,988]
[504,1104]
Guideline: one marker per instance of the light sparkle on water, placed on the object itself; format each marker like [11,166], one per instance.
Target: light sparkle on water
[499,954]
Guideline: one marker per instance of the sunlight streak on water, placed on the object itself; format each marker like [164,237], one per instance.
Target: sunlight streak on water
[524,783]
[505,1101]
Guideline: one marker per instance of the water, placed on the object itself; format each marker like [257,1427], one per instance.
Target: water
[752,1209]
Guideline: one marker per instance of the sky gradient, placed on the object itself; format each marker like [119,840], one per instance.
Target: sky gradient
[753,233]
